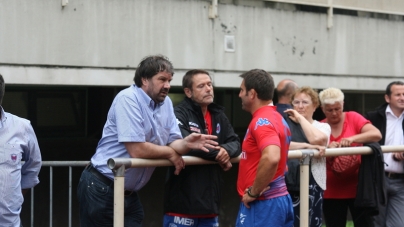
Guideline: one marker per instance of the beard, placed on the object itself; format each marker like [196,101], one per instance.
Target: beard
[161,96]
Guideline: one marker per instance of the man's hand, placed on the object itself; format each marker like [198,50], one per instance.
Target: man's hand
[222,156]
[226,166]
[201,142]
[247,199]
[177,161]
[398,156]
[224,159]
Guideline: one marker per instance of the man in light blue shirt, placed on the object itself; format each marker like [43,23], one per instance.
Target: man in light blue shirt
[17,143]
[140,124]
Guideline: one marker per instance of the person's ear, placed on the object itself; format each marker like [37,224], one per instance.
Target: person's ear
[387,98]
[144,81]
[252,93]
[188,92]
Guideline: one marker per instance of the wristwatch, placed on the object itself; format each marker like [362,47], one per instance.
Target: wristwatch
[251,195]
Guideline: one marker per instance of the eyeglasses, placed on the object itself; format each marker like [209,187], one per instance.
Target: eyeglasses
[297,103]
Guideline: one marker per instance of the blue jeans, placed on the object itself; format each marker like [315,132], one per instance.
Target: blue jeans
[96,200]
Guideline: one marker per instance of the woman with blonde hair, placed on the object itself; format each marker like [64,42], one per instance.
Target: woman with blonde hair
[348,129]
[307,134]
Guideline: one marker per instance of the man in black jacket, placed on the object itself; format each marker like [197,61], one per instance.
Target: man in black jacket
[388,118]
[192,198]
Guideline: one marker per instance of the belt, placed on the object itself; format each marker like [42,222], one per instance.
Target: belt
[391,175]
[103,178]
[99,175]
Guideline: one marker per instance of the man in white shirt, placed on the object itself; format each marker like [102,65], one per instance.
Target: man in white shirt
[388,118]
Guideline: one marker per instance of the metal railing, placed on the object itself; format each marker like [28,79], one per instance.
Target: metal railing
[118,166]
[52,164]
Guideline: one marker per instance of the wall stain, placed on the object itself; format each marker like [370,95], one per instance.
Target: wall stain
[224,27]
[228,29]
[300,48]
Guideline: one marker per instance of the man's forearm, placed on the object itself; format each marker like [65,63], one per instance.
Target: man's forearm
[148,150]
[263,178]
[179,146]
[266,170]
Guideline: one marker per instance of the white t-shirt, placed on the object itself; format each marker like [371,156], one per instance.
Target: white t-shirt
[318,165]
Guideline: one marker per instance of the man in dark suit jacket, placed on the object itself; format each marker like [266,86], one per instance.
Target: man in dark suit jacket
[388,118]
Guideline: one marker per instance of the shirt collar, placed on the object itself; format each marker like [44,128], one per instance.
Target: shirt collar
[389,111]
[146,97]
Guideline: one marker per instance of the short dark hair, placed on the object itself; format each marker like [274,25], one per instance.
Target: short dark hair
[150,66]
[261,81]
[388,88]
[2,88]
[187,79]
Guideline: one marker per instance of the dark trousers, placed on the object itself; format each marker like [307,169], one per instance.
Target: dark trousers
[391,214]
[336,210]
[96,200]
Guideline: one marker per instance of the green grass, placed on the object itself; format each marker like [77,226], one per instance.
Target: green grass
[348,224]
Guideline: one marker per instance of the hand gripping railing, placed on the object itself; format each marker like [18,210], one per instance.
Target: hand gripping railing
[118,166]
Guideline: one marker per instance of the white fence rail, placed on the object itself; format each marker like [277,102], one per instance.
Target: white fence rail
[118,165]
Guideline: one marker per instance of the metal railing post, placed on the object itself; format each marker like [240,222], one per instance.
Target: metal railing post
[304,187]
[32,207]
[119,189]
[50,196]
[70,196]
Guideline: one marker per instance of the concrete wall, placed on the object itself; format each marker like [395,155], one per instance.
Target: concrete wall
[100,42]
